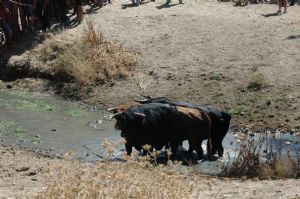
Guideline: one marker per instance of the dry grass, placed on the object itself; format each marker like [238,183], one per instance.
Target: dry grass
[257,82]
[135,177]
[142,177]
[88,59]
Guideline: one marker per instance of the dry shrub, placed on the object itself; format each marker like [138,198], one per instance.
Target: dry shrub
[250,162]
[135,177]
[257,82]
[247,162]
[88,59]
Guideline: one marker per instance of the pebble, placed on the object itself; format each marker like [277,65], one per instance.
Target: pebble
[23,168]
[32,173]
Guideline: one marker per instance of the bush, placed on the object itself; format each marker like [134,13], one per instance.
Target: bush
[257,82]
[250,162]
[89,59]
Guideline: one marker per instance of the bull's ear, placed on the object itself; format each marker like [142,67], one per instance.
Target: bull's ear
[140,115]
[116,116]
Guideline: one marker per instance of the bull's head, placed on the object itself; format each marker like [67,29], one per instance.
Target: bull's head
[125,121]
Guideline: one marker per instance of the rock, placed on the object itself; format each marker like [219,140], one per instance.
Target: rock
[9,86]
[32,173]
[151,72]
[23,168]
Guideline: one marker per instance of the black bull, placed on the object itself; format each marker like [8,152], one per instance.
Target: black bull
[220,120]
[162,125]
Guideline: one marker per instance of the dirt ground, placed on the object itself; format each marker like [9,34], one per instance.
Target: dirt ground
[201,51]
[22,176]
[210,52]
[240,59]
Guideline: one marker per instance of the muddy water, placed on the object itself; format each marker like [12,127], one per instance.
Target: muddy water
[41,121]
[32,119]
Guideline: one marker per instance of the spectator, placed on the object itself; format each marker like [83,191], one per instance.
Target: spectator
[282,3]
[13,18]
[42,12]
[61,10]
[78,4]
[292,2]
[8,33]
[27,15]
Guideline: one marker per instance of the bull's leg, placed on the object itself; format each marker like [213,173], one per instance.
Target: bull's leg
[199,151]
[209,149]
[220,150]
[190,152]
[213,147]
[128,148]
[174,147]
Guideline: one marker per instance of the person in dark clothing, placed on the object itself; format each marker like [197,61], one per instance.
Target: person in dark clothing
[61,10]
[8,32]
[292,2]
[78,5]
[42,12]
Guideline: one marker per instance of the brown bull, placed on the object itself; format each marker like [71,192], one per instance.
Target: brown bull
[196,127]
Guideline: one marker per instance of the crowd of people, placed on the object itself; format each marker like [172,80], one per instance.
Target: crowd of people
[18,17]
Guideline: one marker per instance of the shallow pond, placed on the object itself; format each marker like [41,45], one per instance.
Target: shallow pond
[42,121]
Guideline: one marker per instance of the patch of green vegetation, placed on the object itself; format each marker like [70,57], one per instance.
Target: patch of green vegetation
[30,106]
[19,93]
[237,111]
[75,113]
[11,127]
[35,139]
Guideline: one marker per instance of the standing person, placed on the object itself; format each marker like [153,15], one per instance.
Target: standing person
[292,2]
[78,5]
[282,3]
[60,6]
[13,19]
[27,16]
[42,12]
[8,33]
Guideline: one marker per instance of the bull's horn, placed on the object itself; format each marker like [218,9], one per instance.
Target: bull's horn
[140,114]
[141,101]
[115,115]
[112,109]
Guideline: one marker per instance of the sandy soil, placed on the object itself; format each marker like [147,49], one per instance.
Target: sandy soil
[21,171]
